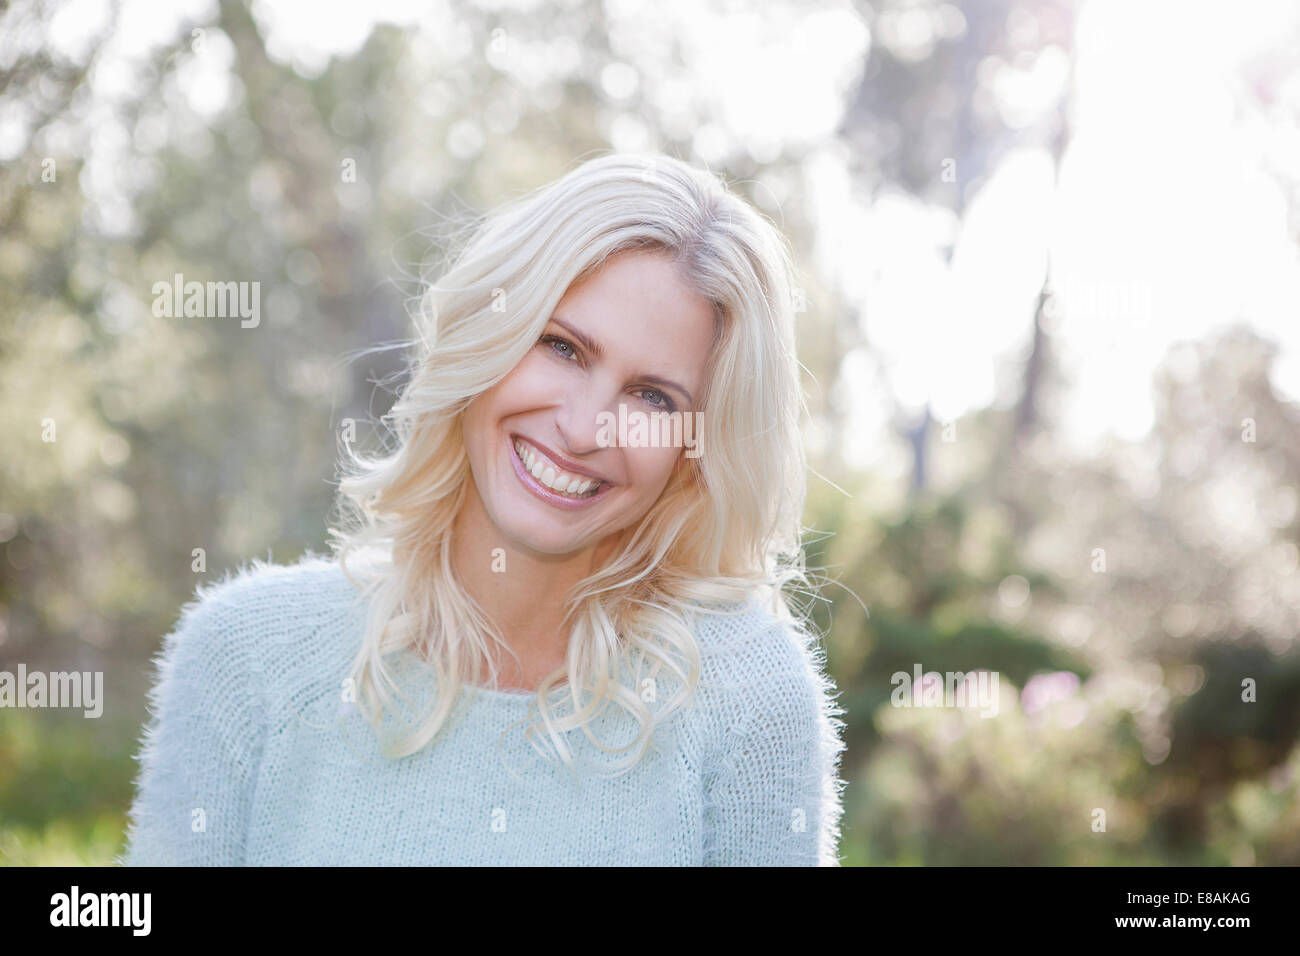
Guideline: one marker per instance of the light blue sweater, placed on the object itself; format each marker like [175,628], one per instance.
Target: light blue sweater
[249,756]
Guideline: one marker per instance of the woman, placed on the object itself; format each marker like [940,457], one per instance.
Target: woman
[555,629]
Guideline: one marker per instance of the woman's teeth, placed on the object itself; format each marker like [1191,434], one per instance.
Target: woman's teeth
[561,482]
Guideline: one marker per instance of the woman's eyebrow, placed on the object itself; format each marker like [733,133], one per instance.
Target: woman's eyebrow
[595,349]
[591,346]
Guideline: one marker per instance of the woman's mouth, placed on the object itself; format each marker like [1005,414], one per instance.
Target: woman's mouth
[549,481]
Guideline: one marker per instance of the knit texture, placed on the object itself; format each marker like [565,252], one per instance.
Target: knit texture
[251,756]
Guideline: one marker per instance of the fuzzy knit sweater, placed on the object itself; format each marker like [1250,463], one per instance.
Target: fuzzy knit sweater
[250,755]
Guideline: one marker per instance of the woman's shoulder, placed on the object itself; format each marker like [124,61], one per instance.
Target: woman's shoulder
[755,658]
[751,641]
[769,705]
[258,583]
[261,600]
[256,620]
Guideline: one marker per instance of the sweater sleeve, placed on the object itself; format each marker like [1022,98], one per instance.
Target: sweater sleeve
[773,794]
[201,744]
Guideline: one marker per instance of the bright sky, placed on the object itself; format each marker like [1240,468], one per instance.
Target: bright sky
[1164,224]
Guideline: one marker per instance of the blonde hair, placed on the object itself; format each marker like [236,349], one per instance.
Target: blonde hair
[725,530]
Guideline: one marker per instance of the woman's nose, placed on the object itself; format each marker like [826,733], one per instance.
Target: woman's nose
[580,421]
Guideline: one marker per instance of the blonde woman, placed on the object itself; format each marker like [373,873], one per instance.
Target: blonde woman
[555,630]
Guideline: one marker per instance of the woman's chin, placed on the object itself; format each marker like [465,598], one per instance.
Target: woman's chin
[532,536]
[555,546]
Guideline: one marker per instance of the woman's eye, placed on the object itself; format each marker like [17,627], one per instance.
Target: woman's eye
[657,398]
[559,346]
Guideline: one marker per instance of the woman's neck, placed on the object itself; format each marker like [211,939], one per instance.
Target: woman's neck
[521,591]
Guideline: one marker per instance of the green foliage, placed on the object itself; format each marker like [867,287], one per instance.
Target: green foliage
[65,790]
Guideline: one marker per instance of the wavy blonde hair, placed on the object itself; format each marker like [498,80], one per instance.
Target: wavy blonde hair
[725,530]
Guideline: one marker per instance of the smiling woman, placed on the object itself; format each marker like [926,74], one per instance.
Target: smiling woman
[632,322]
[618,606]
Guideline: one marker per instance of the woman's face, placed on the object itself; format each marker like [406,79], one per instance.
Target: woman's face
[542,468]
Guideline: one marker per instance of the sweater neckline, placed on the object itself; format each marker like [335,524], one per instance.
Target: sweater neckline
[476,689]
[525,695]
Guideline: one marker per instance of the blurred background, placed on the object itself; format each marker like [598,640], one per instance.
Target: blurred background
[1051,325]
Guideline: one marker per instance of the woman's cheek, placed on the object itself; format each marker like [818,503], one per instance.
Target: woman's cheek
[654,466]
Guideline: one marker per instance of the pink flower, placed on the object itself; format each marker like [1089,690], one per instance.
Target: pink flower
[1043,689]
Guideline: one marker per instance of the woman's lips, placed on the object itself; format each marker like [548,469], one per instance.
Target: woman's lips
[546,494]
[555,459]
